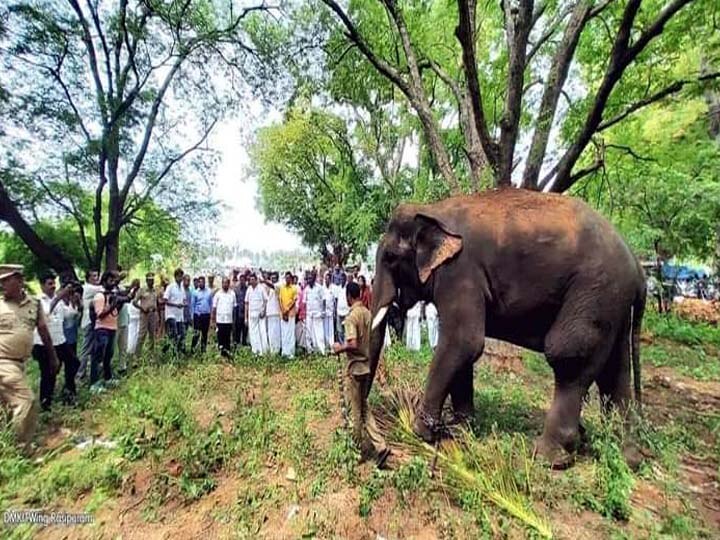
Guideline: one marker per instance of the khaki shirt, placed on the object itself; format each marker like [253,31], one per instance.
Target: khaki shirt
[357,326]
[17,322]
[147,299]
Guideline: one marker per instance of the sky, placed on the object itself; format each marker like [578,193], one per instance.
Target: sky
[241,223]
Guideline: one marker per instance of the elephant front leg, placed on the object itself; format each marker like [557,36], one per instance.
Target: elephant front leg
[461,393]
[450,373]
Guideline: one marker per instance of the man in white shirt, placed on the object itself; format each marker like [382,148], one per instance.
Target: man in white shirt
[342,308]
[175,299]
[255,306]
[224,303]
[412,327]
[54,309]
[329,319]
[272,314]
[90,289]
[431,316]
[315,301]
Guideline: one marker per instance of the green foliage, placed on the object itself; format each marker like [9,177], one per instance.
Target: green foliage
[371,491]
[311,181]
[613,478]
[344,455]
[672,327]
[62,235]
[96,469]
[410,477]
[662,183]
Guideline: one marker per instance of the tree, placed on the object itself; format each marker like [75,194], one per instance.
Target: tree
[519,55]
[103,98]
[311,181]
[665,200]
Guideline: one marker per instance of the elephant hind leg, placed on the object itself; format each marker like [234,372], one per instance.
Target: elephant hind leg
[614,384]
[614,379]
[577,350]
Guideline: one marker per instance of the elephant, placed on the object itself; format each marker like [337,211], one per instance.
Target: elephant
[542,271]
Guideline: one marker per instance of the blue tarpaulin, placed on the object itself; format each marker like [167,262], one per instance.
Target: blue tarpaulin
[682,272]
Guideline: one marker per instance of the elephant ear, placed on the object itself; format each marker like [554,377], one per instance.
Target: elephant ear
[434,245]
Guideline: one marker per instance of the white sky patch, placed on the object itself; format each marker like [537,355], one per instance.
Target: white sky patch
[241,224]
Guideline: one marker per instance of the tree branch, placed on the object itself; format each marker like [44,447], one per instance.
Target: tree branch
[657,96]
[517,30]
[465,33]
[127,216]
[556,78]
[87,38]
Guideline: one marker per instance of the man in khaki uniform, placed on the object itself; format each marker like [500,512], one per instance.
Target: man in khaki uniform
[146,302]
[19,316]
[357,377]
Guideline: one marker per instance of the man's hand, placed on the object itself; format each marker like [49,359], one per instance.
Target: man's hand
[337,348]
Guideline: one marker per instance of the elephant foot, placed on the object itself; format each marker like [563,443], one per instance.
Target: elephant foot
[461,418]
[554,453]
[584,445]
[426,427]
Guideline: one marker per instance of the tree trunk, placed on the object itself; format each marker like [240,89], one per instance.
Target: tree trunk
[47,253]
[712,98]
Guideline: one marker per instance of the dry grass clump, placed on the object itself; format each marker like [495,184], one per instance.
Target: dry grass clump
[498,470]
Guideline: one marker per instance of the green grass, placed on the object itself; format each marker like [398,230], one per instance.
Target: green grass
[195,424]
[674,328]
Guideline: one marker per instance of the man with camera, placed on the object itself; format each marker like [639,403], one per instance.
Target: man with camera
[104,312]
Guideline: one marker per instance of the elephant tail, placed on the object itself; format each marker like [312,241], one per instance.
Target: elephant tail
[638,309]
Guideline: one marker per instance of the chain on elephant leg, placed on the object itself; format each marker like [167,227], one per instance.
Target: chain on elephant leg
[344,407]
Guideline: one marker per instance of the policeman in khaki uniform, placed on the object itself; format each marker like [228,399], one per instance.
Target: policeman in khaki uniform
[146,300]
[357,377]
[19,316]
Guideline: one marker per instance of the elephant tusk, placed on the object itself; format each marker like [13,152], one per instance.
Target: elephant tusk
[379,317]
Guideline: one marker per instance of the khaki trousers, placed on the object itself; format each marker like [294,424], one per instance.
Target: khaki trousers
[364,429]
[147,327]
[15,392]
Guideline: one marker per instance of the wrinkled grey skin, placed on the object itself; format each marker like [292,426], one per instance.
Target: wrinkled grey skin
[542,271]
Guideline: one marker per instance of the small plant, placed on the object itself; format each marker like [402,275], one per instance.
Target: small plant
[411,477]
[613,478]
[204,455]
[344,455]
[371,491]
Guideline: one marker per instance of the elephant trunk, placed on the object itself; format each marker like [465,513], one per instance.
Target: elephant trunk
[384,292]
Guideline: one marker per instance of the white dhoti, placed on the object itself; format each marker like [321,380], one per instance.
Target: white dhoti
[258,334]
[433,331]
[274,334]
[287,333]
[133,328]
[388,340]
[412,333]
[329,330]
[317,332]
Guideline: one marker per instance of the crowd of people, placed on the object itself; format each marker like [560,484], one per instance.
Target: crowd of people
[98,329]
